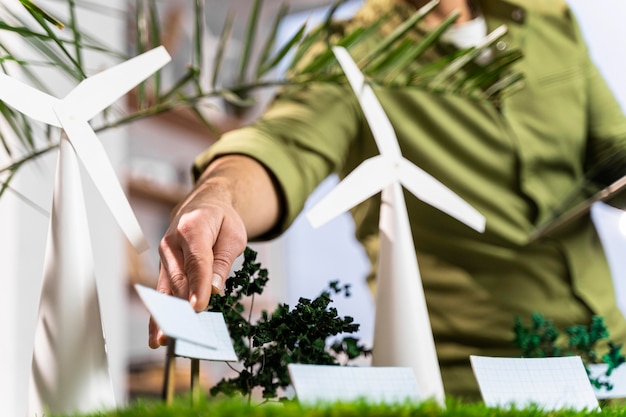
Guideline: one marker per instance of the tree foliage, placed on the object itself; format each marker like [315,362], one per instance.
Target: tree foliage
[287,335]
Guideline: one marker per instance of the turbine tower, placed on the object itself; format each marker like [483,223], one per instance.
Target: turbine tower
[402,331]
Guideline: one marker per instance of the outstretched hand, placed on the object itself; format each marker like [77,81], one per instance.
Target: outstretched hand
[197,252]
[210,230]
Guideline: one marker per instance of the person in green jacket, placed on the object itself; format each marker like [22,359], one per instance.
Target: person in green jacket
[514,161]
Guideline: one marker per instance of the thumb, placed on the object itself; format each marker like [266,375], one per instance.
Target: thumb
[225,252]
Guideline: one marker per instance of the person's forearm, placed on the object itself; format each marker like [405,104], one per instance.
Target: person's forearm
[249,187]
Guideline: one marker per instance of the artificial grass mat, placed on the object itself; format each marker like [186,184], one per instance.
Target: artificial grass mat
[237,407]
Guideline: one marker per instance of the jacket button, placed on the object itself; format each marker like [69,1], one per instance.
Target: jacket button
[518,15]
[501,46]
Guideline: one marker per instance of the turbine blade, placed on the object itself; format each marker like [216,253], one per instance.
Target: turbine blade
[431,191]
[99,91]
[28,100]
[95,160]
[366,180]
[379,123]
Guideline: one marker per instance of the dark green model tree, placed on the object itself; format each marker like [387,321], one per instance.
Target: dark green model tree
[541,339]
[286,335]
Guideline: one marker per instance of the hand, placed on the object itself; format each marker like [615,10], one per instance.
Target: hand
[198,249]
[235,198]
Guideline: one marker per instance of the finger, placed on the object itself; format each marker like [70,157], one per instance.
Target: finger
[172,277]
[225,250]
[208,254]
[196,232]
[156,337]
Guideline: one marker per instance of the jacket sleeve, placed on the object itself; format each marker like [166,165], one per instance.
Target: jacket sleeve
[303,137]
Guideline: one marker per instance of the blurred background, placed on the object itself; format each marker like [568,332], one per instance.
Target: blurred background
[153,158]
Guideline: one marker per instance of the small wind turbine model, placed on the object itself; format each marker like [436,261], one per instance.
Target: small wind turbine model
[70,368]
[402,331]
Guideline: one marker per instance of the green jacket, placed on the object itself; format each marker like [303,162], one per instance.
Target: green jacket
[513,162]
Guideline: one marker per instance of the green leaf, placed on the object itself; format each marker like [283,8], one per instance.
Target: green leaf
[249,39]
[44,15]
[42,22]
[400,31]
[418,49]
[5,183]
[282,53]
[154,26]
[472,53]
[221,49]
[326,58]
[76,33]
[270,42]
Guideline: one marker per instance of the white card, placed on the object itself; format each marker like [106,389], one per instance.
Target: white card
[214,324]
[549,383]
[328,383]
[175,317]
[617,378]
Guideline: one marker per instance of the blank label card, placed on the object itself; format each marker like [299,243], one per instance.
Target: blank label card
[328,383]
[549,383]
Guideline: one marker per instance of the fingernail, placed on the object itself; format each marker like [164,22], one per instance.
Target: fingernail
[155,339]
[217,283]
[193,300]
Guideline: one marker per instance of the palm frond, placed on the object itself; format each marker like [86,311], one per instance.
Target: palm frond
[155,40]
[266,62]
[383,64]
[249,40]
[78,53]
[6,182]
[52,35]
[455,66]
[221,49]
[417,49]
[38,11]
[399,32]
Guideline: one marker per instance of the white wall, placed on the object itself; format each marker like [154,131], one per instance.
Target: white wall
[22,248]
[602,22]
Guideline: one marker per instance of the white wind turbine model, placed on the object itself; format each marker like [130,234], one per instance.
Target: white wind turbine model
[70,368]
[402,331]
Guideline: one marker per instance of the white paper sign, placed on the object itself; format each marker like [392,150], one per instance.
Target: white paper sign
[617,379]
[328,383]
[549,383]
[175,317]
[214,324]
